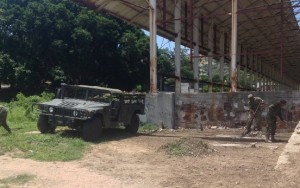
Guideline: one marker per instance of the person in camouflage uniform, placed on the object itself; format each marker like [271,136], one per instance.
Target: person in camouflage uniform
[274,110]
[255,111]
[3,116]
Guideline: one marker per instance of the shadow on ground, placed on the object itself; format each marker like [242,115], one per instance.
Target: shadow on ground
[109,134]
[218,135]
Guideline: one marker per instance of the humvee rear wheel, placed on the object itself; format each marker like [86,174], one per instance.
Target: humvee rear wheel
[44,126]
[92,129]
[134,124]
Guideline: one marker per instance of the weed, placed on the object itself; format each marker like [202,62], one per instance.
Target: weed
[187,146]
[147,127]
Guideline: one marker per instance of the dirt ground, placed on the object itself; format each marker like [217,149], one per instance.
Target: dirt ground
[126,161]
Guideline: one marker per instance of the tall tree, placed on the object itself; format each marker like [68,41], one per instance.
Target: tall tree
[59,40]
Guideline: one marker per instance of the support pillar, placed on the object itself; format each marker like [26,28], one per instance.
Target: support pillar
[196,53]
[153,49]
[177,18]
[222,59]
[233,76]
[210,55]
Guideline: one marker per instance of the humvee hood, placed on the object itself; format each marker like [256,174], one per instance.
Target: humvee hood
[76,104]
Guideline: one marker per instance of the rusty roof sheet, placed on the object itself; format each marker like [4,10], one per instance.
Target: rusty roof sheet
[267,29]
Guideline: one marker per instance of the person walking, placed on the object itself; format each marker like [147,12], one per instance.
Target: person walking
[255,111]
[3,116]
[274,111]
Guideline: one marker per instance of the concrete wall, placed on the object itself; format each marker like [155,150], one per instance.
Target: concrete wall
[160,109]
[216,109]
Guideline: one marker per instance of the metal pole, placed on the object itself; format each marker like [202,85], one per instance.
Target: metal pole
[196,53]
[210,56]
[153,50]
[233,81]
[222,59]
[177,18]
[281,41]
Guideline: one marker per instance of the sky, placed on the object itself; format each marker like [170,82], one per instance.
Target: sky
[163,42]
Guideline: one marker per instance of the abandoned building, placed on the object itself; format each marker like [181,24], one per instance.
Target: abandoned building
[259,39]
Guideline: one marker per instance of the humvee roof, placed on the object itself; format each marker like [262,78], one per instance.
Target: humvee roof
[97,87]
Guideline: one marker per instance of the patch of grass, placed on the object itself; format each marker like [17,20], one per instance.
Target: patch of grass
[147,127]
[176,148]
[44,147]
[22,119]
[19,180]
[187,147]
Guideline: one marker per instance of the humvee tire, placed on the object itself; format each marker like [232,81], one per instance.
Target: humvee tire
[133,127]
[92,129]
[44,126]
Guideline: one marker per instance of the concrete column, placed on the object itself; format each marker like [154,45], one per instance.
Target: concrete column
[222,51]
[210,54]
[196,52]
[153,49]
[233,76]
[177,13]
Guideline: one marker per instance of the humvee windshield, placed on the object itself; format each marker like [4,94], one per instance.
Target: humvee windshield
[87,94]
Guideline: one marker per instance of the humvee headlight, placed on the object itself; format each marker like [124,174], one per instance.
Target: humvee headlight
[51,109]
[75,113]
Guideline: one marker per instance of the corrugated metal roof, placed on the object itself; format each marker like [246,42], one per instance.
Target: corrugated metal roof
[266,28]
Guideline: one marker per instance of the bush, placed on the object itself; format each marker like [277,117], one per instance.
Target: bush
[22,109]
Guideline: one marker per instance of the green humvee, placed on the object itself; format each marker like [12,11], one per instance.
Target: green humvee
[90,109]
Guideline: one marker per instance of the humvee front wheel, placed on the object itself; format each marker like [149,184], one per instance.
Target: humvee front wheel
[92,129]
[133,127]
[43,125]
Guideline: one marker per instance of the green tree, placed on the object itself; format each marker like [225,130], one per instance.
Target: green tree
[7,73]
[59,40]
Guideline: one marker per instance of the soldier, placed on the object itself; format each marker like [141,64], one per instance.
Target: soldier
[255,113]
[274,110]
[3,116]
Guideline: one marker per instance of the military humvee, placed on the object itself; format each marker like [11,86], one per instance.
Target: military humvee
[89,109]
